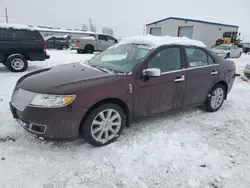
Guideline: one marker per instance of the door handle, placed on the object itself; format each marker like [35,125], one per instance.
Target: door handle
[181,79]
[214,73]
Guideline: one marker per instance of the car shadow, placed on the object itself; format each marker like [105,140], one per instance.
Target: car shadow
[4,69]
[137,128]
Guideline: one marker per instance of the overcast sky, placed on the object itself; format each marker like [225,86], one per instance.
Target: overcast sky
[126,17]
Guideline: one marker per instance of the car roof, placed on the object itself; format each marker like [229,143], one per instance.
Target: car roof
[157,41]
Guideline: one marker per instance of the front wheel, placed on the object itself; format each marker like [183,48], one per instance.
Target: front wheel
[103,125]
[89,49]
[215,99]
[227,56]
[239,55]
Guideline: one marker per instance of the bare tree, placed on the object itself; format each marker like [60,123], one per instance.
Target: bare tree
[108,31]
[85,27]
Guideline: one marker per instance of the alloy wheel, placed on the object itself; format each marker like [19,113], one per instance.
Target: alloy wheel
[217,98]
[17,64]
[106,125]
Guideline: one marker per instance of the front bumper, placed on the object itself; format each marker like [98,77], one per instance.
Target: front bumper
[50,124]
[222,55]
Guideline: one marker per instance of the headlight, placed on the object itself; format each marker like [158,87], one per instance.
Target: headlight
[51,101]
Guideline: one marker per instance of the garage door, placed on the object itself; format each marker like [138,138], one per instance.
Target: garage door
[186,31]
[155,31]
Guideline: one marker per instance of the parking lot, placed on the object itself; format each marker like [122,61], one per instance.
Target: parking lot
[201,149]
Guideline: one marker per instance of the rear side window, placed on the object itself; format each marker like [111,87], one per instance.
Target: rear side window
[5,33]
[23,34]
[37,35]
[196,57]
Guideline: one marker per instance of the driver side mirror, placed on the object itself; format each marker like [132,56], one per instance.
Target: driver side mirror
[152,72]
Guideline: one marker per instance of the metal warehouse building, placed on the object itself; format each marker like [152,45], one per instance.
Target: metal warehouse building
[207,32]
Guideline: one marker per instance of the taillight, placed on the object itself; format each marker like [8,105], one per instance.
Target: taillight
[234,66]
[77,42]
[45,48]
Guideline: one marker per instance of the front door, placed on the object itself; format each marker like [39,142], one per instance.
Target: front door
[160,94]
[103,43]
[201,76]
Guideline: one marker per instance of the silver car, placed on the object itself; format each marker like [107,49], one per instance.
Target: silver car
[247,70]
[228,51]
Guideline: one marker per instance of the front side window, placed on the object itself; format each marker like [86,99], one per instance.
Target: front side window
[166,60]
[196,57]
[102,37]
[111,39]
[120,59]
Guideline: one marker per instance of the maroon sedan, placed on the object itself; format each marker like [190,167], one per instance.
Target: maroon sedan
[127,82]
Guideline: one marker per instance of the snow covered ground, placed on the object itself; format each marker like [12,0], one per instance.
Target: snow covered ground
[189,148]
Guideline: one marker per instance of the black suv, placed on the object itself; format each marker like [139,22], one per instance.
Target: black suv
[20,44]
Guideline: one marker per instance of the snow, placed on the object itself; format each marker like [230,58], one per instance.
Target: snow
[19,26]
[89,38]
[186,149]
[15,26]
[160,40]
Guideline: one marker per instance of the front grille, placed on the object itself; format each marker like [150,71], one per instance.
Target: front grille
[22,98]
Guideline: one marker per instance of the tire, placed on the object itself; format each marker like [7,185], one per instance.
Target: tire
[210,104]
[239,55]
[17,63]
[89,49]
[64,47]
[227,56]
[80,51]
[87,128]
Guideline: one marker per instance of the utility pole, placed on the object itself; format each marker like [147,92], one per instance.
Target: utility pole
[90,24]
[144,29]
[6,15]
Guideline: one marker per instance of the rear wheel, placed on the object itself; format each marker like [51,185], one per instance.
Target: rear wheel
[227,56]
[216,98]
[239,55]
[64,47]
[16,63]
[89,49]
[103,125]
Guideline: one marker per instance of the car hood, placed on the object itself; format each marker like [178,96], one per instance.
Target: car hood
[219,51]
[63,79]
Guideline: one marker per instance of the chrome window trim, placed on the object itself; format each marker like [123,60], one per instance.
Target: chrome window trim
[202,67]
[186,69]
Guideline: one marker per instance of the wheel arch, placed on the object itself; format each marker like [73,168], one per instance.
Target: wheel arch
[116,101]
[224,83]
[91,45]
[25,55]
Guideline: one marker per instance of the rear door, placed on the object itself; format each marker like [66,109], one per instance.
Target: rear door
[25,41]
[164,93]
[201,76]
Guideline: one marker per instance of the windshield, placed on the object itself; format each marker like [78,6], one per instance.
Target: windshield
[120,59]
[223,47]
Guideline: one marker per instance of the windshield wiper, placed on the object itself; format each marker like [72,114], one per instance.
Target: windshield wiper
[99,68]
